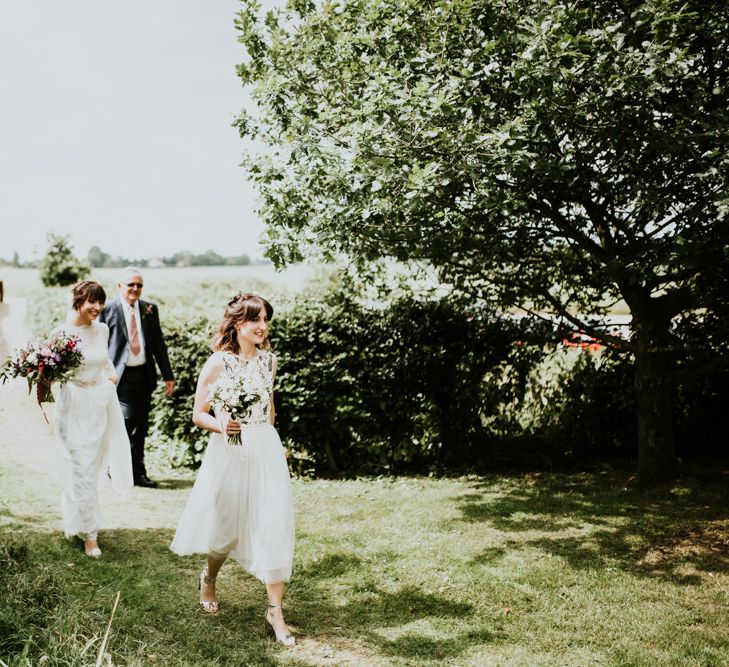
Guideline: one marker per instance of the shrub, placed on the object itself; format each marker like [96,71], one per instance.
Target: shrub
[188,339]
[59,266]
[431,386]
[365,389]
[588,405]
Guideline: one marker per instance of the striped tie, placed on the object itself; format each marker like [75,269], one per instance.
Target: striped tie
[134,340]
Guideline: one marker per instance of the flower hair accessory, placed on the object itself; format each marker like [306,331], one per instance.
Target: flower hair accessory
[235,298]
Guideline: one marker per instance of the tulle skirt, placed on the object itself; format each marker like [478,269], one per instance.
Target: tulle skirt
[241,505]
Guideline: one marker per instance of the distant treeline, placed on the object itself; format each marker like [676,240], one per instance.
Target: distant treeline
[98,258]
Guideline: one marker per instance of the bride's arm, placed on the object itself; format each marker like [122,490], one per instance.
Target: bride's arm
[201,410]
[110,371]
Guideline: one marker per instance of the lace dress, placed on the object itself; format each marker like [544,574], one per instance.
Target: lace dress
[90,435]
[241,502]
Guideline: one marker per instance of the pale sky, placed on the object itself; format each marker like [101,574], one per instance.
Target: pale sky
[115,128]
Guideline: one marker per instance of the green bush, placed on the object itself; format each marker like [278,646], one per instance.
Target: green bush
[426,385]
[368,389]
[59,266]
[588,407]
[397,389]
[188,339]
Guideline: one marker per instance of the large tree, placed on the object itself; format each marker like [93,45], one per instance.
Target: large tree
[558,155]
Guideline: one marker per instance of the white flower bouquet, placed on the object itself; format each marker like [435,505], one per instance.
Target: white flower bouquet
[235,393]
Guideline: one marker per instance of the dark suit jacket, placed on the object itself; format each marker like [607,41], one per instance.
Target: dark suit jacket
[154,345]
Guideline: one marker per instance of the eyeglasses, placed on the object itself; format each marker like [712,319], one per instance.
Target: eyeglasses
[139,285]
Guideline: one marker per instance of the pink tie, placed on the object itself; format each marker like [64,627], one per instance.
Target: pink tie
[134,342]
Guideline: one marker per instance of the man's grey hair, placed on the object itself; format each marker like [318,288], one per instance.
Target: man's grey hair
[129,271]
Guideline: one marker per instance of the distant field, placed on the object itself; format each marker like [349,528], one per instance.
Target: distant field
[23,282]
[179,291]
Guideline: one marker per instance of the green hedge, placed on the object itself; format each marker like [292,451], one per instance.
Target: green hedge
[417,386]
[425,386]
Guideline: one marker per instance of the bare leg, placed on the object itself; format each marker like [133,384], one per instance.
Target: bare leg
[274,614]
[208,599]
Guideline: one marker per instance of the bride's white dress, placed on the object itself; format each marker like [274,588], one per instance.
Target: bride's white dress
[241,502]
[90,435]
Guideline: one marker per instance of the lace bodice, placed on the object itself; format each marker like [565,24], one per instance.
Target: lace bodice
[94,345]
[264,365]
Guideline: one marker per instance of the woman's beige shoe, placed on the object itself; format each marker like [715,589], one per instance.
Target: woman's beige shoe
[209,606]
[286,638]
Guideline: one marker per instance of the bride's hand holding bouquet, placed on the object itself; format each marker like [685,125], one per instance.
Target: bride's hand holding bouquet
[231,395]
[43,362]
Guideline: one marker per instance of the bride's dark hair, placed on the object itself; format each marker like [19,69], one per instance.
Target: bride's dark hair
[87,290]
[241,308]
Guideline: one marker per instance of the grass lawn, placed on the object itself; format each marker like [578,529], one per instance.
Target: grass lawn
[524,569]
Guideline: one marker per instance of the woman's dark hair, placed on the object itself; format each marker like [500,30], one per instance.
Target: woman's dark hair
[241,308]
[87,290]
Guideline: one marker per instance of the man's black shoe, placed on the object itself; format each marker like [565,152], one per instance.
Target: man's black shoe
[143,480]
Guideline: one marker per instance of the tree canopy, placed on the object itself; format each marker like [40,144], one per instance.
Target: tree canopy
[558,156]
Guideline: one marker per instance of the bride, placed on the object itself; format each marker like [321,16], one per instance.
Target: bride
[241,503]
[89,426]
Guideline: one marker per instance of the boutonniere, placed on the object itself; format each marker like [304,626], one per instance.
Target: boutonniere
[148,310]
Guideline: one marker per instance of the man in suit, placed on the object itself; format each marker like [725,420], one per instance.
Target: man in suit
[135,344]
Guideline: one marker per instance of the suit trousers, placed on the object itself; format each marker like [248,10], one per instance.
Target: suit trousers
[135,398]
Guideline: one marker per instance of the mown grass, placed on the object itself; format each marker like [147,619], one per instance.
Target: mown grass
[539,569]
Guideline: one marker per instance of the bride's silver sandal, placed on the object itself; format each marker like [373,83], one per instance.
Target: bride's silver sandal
[209,606]
[91,552]
[285,639]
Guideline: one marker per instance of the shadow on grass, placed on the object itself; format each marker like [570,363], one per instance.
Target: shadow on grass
[375,610]
[594,520]
[159,620]
[415,646]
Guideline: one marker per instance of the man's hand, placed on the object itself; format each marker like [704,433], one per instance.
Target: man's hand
[169,387]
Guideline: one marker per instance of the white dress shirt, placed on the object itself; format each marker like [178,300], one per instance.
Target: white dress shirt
[133,359]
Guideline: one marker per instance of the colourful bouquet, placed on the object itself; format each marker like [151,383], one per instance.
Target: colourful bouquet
[44,362]
[235,393]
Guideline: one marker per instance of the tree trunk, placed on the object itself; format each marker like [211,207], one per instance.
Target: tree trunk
[653,384]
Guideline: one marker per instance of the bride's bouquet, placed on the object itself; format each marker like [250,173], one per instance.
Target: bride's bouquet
[43,362]
[235,393]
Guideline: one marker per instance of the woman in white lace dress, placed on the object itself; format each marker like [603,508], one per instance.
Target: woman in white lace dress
[241,503]
[89,425]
